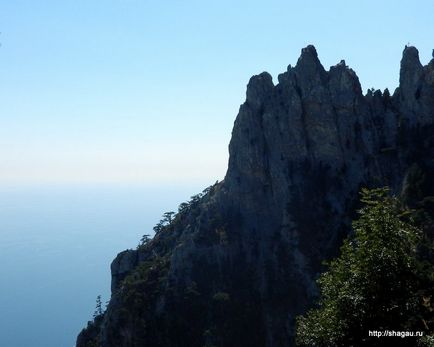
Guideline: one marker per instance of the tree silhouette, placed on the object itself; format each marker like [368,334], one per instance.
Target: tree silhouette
[168,217]
[98,307]
[145,239]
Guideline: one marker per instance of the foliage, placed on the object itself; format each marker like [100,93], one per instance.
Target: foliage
[168,218]
[137,300]
[90,336]
[98,307]
[377,283]
[145,239]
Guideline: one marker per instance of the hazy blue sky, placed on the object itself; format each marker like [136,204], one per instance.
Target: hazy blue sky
[147,91]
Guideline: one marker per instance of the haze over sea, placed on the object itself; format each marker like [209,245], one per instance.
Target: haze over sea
[57,243]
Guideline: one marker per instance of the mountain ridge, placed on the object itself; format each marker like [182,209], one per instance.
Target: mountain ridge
[239,261]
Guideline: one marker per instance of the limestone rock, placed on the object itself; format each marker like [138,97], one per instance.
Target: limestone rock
[300,151]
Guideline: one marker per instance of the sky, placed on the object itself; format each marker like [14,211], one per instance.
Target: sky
[146,92]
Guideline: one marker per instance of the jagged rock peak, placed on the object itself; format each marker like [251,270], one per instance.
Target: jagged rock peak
[410,56]
[308,65]
[415,87]
[258,88]
[309,71]
[343,80]
[308,53]
[411,71]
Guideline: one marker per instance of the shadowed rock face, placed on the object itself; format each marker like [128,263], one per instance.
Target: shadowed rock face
[238,265]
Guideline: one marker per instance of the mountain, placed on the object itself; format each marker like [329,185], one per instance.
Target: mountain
[238,262]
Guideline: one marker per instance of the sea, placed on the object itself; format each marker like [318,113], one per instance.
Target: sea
[56,246]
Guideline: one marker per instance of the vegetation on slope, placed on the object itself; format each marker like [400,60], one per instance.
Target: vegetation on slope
[380,282]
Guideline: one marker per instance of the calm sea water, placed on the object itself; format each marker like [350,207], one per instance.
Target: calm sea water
[56,246]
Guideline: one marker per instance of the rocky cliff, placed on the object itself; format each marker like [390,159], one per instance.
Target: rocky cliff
[238,262]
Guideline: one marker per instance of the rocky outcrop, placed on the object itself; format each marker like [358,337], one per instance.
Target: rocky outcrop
[121,266]
[238,263]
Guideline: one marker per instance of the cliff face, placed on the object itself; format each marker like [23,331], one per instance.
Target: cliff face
[237,263]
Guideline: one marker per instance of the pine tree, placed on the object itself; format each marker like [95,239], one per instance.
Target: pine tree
[98,307]
[377,283]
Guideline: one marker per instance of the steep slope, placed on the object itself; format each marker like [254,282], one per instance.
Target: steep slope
[237,263]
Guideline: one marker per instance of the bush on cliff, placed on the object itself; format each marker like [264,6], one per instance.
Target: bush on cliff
[378,283]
